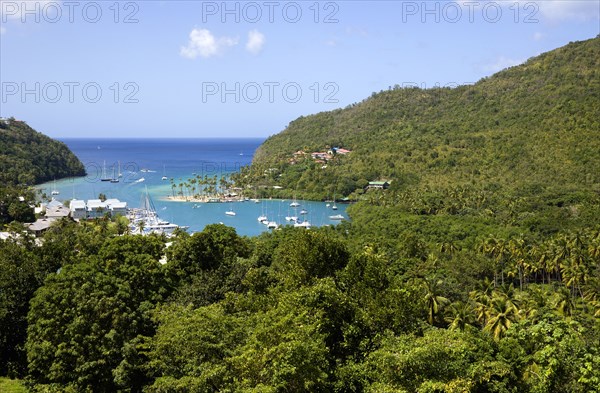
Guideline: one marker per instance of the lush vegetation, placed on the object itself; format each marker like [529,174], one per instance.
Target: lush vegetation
[29,157]
[477,271]
[16,204]
[11,386]
[298,310]
[533,124]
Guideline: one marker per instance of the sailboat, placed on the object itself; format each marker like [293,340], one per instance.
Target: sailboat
[164,177]
[334,206]
[114,179]
[104,177]
[294,203]
[302,224]
[147,214]
[54,190]
[230,212]
[119,173]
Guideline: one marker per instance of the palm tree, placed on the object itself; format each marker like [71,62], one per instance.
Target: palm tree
[497,249]
[460,315]
[141,224]
[594,245]
[448,248]
[481,300]
[564,302]
[560,252]
[519,252]
[502,315]
[508,293]
[433,300]
[592,294]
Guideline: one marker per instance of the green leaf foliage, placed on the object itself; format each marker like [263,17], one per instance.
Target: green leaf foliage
[29,157]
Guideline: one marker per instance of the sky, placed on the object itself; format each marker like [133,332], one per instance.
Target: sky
[166,69]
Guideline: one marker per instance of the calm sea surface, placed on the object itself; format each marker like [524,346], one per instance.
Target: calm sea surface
[143,162]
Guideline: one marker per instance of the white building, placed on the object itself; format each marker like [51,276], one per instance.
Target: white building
[96,208]
[78,209]
[116,207]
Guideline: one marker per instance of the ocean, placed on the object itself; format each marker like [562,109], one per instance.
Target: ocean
[143,163]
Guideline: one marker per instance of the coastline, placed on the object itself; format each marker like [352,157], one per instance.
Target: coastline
[202,199]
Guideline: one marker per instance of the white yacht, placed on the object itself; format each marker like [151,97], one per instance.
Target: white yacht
[164,177]
[294,202]
[302,224]
[104,175]
[146,217]
[54,190]
[337,217]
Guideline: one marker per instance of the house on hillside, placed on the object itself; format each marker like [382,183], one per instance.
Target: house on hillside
[378,185]
[338,150]
[40,226]
[53,211]
[56,210]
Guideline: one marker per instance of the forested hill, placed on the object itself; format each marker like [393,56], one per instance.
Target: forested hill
[29,157]
[538,123]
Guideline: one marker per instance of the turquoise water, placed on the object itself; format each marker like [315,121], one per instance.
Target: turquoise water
[178,159]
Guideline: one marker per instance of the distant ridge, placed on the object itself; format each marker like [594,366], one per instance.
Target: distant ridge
[538,122]
[29,157]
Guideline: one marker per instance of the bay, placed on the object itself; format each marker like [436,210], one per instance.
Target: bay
[143,163]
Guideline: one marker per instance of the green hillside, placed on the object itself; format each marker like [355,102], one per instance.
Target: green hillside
[29,157]
[536,124]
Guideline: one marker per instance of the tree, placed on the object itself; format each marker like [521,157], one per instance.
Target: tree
[206,250]
[191,347]
[460,315]
[307,255]
[19,278]
[438,361]
[554,355]
[502,315]
[432,298]
[87,320]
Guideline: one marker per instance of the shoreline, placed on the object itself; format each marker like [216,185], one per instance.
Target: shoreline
[202,199]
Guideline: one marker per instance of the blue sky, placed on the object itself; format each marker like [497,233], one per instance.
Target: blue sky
[246,69]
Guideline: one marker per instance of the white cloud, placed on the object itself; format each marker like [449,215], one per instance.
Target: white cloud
[570,9]
[357,31]
[204,43]
[256,41]
[501,63]
[537,36]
